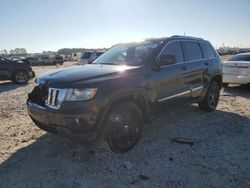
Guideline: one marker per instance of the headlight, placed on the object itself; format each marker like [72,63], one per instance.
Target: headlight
[80,94]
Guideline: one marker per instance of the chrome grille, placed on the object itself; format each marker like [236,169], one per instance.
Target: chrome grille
[55,97]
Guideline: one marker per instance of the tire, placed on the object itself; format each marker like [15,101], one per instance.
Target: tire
[124,127]
[21,77]
[211,99]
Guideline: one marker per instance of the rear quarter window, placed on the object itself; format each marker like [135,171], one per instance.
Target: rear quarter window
[207,50]
[192,51]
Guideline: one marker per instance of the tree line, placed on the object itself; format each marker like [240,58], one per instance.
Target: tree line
[17,51]
[65,51]
[69,51]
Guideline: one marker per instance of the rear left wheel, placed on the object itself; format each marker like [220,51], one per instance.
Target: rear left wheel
[124,127]
[211,99]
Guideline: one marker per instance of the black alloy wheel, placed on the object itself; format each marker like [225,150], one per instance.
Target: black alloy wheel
[124,127]
[211,99]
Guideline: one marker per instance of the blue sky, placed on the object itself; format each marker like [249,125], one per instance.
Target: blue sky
[39,25]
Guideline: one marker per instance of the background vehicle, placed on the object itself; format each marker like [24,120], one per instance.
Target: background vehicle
[17,71]
[87,57]
[75,56]
[237,69]
[42,60]
[46,60]
[57,60]
[124,88]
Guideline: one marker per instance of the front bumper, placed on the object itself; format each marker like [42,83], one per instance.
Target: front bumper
[32,74]
[236,79]
[79,125]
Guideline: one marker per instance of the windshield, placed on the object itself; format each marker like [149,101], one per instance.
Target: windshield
[127,54]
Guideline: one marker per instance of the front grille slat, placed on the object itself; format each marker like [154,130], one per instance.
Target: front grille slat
[55,97]
[49,97]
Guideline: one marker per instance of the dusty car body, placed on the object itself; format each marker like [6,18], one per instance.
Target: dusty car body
[124,88]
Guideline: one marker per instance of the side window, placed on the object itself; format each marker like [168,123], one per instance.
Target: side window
[240,58]
[248,58]
[174,48]
[207,50]
[244,58]
[192,51]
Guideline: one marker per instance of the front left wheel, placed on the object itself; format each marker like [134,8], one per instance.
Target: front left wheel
[124,127]
[21,77]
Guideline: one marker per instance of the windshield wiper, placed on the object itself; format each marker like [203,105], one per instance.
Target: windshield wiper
[108,64]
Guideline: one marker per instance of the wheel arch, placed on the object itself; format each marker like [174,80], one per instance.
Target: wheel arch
[17,70]
[136,98]
[218,79]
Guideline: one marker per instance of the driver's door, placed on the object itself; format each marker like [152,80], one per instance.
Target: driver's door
[169,83]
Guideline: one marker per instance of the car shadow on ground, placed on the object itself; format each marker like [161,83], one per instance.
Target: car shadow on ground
[51,161]
[9,86]
[238,90]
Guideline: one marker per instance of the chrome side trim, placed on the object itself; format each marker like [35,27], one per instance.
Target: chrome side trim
[196,88]
[182,93]
[173,96]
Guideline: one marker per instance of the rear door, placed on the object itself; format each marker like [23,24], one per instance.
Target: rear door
[198,64]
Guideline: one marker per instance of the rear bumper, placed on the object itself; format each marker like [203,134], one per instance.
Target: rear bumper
[73,126]
[236,79]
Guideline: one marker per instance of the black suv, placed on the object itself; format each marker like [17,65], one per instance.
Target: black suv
[15,70]
[126,87]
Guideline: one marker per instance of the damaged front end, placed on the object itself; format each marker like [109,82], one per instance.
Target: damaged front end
[73,120]
[38,95]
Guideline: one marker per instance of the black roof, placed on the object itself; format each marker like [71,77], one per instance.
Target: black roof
[186,37]
[175,37]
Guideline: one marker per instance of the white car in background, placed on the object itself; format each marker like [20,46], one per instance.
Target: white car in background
[237,69]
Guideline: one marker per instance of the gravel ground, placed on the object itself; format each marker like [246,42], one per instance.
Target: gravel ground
[219,157]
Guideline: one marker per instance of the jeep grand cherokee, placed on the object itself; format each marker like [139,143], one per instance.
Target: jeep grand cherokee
[127,86]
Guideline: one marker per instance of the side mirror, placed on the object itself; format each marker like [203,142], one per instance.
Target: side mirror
[166,60]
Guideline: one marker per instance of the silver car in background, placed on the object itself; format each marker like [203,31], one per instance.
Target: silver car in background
[237,69]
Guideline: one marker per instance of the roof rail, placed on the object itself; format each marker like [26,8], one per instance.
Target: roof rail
[190,37]
[160,38]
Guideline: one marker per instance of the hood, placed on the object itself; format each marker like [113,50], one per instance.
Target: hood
[81,73]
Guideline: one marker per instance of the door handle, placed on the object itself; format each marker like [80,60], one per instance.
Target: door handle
[184,68]
[206,63]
